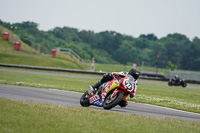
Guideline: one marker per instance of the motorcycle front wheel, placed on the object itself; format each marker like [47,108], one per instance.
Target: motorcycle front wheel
[111,101]
[84,101]
[184,84]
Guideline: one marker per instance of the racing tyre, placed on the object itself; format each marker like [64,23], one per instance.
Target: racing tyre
[184,84]
[111,102]
[84,101]
[170,83]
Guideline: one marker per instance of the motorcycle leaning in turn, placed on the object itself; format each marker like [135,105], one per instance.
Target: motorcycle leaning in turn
[110,94]
[181,82]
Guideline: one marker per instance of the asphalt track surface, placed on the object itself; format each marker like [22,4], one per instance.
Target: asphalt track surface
[67,98]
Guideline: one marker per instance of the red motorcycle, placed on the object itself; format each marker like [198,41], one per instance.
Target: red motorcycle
[110,93]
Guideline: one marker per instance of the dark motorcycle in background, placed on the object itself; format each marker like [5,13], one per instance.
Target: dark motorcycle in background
[182,83]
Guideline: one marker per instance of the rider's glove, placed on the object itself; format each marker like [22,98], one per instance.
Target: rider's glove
[135,88]
[132,95]
[136,85]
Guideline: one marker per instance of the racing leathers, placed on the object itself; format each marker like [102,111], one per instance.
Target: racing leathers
[118,75]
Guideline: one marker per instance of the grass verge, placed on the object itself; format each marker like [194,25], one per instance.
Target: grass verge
[36,60]
[119,67]
[30,117]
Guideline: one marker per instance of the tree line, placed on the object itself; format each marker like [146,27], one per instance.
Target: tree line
[112,47]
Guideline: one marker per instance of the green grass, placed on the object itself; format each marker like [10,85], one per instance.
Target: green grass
[30,117]
[174,97]
[35,60]
[45,81]
[118,68]
[6,46]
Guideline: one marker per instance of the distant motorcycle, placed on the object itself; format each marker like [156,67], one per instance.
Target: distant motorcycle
[182,83]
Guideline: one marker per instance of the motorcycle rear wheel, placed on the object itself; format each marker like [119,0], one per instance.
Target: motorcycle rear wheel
[84,100]
[170,83]
[108,103]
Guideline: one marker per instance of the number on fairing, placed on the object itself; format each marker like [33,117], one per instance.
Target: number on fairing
[127,85]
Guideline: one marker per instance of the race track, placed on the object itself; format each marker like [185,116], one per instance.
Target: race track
[67,98]
[164,83]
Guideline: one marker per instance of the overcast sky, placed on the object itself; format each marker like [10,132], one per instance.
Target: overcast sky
[130,17]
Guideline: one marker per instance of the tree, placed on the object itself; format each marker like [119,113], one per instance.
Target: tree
[88,37]
[66,33]
[171,66]
[126,53]
[110,46]
[158,48]
[151,37]
[109,40]
[176,46]
[191,59]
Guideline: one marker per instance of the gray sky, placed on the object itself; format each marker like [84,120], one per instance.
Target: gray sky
[130,17]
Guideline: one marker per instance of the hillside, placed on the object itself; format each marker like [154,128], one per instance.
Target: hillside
[113,47]
[29,56]
[7,45]
[36,60]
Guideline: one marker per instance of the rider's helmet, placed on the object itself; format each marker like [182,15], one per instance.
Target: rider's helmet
[176,76]
[134,72]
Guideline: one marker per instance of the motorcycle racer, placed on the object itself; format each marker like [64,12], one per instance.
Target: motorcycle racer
[133,73]
[176,79]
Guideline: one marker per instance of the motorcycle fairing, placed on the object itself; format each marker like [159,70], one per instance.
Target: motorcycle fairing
[111,85]
[107,87]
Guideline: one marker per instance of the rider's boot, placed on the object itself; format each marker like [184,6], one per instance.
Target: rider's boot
[96,87]
[104,79]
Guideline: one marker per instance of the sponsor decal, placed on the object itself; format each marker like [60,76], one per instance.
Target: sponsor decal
[94,98]
[116,83]
[97,103]
[103,95]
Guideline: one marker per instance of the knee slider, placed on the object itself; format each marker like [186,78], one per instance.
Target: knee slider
[123,103]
